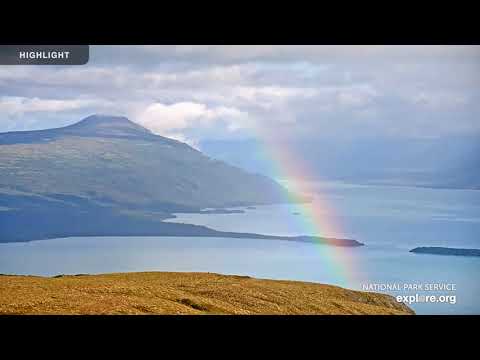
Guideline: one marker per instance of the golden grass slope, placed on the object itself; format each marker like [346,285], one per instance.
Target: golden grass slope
[183,293]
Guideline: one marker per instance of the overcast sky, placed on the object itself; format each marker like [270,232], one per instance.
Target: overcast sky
[194,93]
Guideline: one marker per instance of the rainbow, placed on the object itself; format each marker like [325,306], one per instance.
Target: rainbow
[318,217]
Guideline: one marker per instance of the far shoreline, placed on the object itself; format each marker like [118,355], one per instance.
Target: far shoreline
[219,234]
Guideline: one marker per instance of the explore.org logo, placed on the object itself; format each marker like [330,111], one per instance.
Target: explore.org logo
[436,292]
[409,299]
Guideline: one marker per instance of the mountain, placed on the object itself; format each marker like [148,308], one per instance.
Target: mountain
[113,159]
[108,172]
[443,162]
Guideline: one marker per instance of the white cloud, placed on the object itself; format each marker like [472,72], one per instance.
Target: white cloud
[438,100]
[318,53]
[197,91]
[15,106]
[253,94]
[357,96]
[170,120]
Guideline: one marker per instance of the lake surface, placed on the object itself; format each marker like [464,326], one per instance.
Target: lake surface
[389,220]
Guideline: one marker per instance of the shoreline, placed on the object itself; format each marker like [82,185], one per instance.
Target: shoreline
[209,233]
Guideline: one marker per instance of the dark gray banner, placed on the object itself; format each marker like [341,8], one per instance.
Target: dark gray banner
[44,54]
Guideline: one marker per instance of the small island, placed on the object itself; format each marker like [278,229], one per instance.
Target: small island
[220,211]
[435,250]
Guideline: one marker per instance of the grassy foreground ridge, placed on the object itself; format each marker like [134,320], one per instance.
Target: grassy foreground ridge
[183,293]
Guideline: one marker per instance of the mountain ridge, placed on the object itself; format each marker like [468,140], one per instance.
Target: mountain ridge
[109,174]
[111,140]
[96,125]
[447,162]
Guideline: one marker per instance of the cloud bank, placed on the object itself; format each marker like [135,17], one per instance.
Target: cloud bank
[194,93]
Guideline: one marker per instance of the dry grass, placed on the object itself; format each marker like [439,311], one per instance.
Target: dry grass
[183,293]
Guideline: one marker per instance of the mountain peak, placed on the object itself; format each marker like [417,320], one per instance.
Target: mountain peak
[108,125]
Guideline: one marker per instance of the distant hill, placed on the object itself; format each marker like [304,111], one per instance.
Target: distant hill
[444,162]
[106,172]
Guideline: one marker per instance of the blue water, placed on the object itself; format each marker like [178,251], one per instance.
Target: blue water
[389,220]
